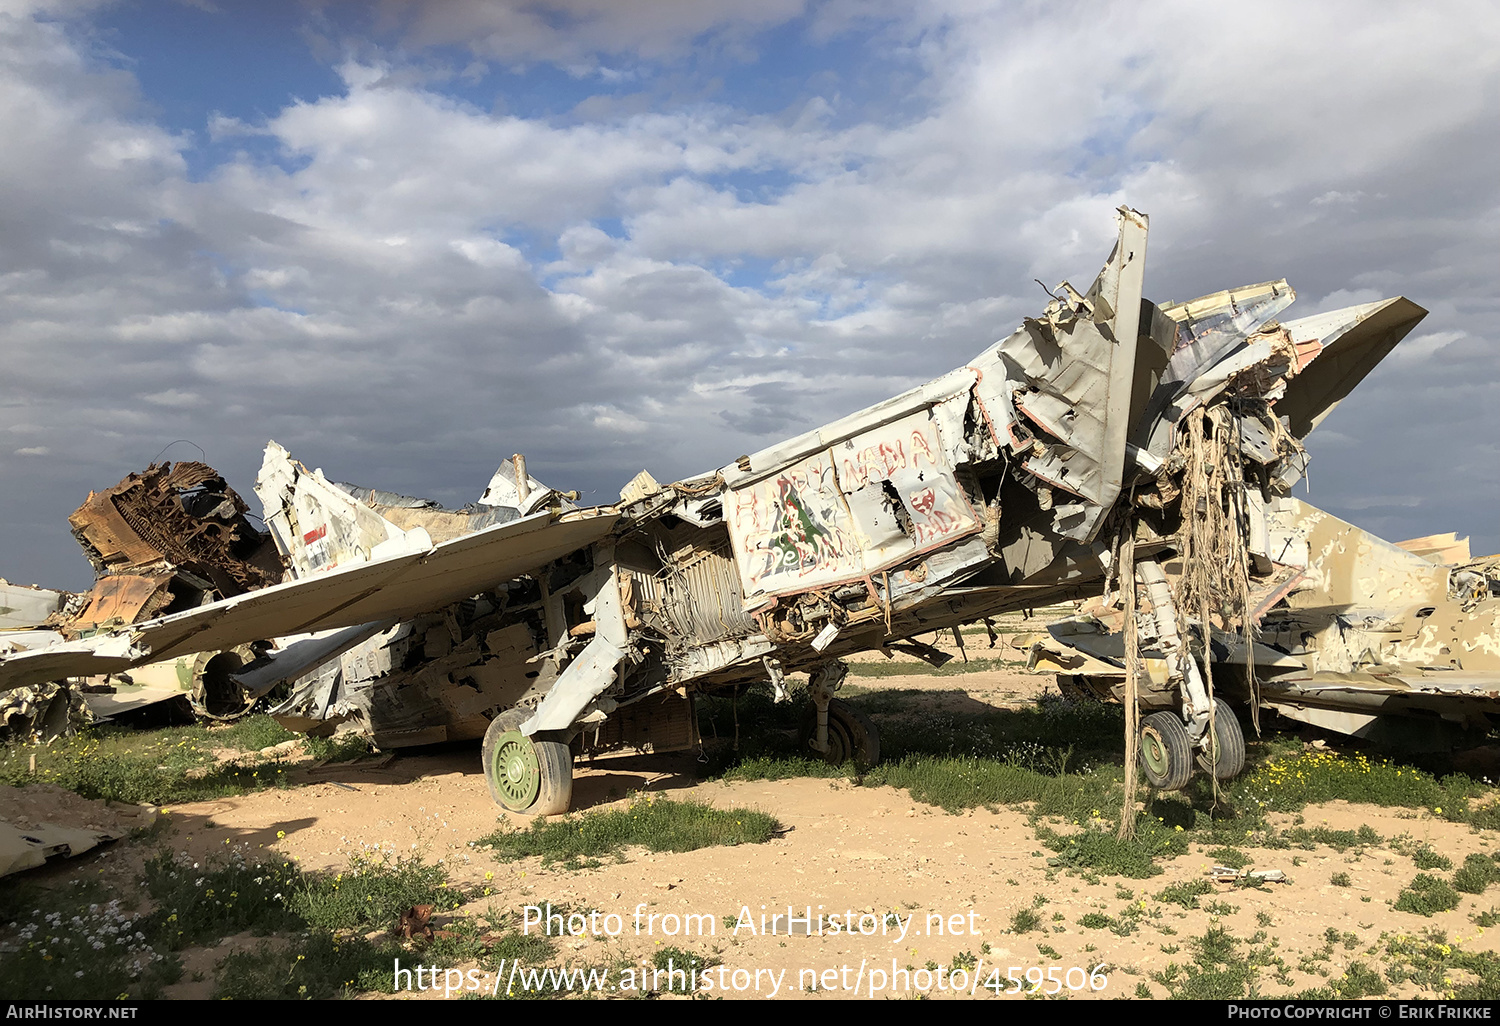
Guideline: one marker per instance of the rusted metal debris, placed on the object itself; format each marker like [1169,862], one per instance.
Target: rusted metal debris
[170,538]
[1106,425]
[167,539]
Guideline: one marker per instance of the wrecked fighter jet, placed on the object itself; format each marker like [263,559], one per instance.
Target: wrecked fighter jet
[1111,448]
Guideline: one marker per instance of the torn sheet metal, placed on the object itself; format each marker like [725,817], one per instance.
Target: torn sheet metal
[23,605]
[29,847]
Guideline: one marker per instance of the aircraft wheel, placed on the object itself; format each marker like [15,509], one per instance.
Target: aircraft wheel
[525,774]
[1166,751]
[851,735]
[1226,755]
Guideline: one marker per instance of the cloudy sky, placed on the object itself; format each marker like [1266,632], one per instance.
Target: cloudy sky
[408,239]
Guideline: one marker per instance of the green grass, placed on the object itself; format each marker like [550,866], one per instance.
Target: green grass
[313,967]
[372,893]
[1425,858]
[1024,921]
[1231,857]
[160,767]
[79,942]
[1103,852]
[1428,961]
[1340,841]
[1359,981]
[1291,783]
[166,766]
[953,668]
[659,824]
[955,784]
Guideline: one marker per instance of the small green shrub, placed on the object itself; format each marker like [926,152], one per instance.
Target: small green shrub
[1427,896]
[1024,921]
[1426,858]
[1476,874]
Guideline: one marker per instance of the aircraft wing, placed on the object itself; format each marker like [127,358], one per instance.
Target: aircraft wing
[398,586]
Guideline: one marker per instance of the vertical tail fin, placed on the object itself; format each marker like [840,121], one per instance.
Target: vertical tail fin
[317,525]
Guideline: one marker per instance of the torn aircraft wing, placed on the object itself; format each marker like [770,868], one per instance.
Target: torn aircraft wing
[396,586]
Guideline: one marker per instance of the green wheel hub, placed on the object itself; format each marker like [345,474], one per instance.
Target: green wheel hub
[1154,753]
[517,776]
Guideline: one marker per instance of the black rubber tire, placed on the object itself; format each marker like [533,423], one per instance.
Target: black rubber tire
[851,735]
[1166,751]
[1228,759]
[554,767]
[556,762]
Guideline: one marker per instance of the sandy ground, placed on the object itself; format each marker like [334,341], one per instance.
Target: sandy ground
[955,881]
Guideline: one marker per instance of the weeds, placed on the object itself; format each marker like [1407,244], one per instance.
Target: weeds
[1339,840]
[1425,858]
[1024,921]
[1428,961]
[1218,971]
[311,968]
[1096,849]
[1476,874]
[1186,893]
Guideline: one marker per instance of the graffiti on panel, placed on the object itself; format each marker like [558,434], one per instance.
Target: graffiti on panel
[938,512]
[792,531]
[901,490]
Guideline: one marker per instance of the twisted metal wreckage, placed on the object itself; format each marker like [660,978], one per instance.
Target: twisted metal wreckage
[1110,439]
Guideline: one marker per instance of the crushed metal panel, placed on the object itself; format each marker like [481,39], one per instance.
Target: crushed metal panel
[125,598]
[317,525]
[1208,331]
[875,499]
[183,516]
[87,657]
[1059,388]
[1443,548]
[901,491]
[820,440]
[1352,571]
[28,847]
[396,588]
